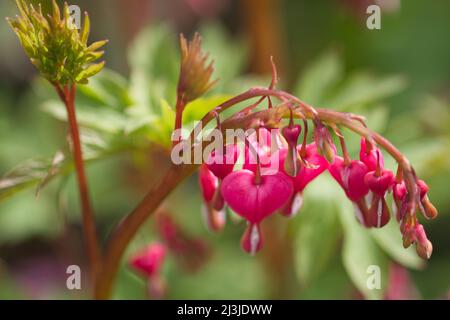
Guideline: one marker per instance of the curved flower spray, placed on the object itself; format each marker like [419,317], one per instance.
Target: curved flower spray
[62,56]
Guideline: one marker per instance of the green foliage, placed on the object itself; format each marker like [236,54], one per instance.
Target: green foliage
[317,235]
[325,84]
[118,115]
[359,253]
[55,46]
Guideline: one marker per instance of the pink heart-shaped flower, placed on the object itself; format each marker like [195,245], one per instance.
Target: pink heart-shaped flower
[371,157]
[149,260]
[254,201]
[350,177]
[221,162]
[379,183]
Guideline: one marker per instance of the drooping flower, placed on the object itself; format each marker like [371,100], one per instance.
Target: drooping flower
[190,252]
[425,206]
[351,178]
[213,205]
[379,183]
[150,259]
[292,161]
[255,200]
[324,142]
[148,262]
[316,164]
[370,155]
[414,233]
[222,162]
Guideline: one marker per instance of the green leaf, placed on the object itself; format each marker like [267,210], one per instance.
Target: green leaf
[108,89]
[162,126]
[362,89]
[102,119]
[154,61]
[316,238]
[359,253]
[389,239]
[198,108]
[319,78]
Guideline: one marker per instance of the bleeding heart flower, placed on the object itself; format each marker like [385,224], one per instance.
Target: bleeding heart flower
[425,206]
[292,161]
[379,183]
[253,201]
[221,162]
[415,233]
[350,177]
[316,164]
[149,260]
[291,134]
[371,156]
[324,142]
[208,183]
[213,208]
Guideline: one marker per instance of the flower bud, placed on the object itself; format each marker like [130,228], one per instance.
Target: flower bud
[149,260]
[371,156]
[350,177]
[292,160]
[324,142]
[379,184]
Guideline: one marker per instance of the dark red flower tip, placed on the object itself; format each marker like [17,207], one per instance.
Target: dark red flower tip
[379,183]
[254,201]
[350,177]
[221,162]
[370,155]
[149,260]
[252,240]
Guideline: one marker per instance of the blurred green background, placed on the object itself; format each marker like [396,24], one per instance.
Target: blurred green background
[398,77]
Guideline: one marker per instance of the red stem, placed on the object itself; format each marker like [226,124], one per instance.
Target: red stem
[91,242]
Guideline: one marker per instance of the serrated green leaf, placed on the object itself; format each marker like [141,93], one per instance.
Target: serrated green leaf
[108,90]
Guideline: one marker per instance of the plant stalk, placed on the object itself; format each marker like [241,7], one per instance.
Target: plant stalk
[67,95]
